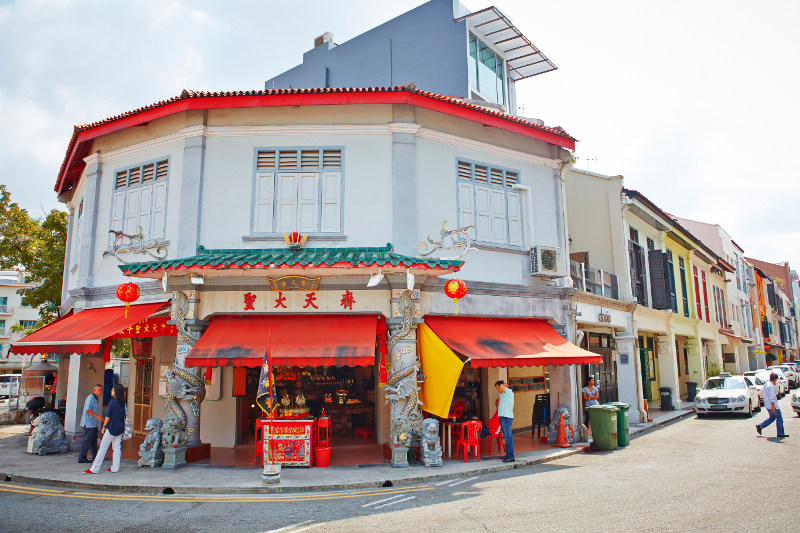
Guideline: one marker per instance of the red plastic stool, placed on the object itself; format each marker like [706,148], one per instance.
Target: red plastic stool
[365,432]
[324,432]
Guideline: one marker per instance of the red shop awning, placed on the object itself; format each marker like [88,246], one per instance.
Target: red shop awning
[503,342]
[327,340]
[83,332]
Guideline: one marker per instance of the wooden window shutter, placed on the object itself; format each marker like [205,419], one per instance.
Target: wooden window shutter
[117,214]
[145,209]
[514,218]
[464,170]
[705,295]
[669,274]
[698,304]
[658,280]
[466,207]
[265,200]
[159,208]
[498,208]
[771,295]
[483,217]
[308,202]
[287,202]
[331,202]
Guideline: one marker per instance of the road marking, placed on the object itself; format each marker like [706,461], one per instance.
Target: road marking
[396,501]
[383,500]
[462,481]
[443,482]
[304,528]
[284,528]
[192,499]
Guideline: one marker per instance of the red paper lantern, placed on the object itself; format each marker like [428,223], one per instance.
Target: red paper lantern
[455,289]
[128,292]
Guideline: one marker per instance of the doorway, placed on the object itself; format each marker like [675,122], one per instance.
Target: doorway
[142,394]
[605,373]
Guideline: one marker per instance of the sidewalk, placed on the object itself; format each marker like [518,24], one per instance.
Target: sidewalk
[63,470]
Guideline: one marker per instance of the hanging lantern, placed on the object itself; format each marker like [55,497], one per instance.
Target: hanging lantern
[455,289]
[128,292]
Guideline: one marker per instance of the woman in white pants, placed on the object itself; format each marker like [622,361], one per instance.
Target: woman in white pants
[113,427]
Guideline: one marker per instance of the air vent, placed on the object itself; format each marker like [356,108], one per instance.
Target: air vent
[266,160]
[288,160]
[309,159]
[122,179]
[331,158]
[149,173]
[464,170]
[162,168]
[135,175]
[511,179]
[481,174]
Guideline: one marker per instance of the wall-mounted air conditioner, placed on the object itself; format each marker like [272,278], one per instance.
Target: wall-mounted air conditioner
[546,261]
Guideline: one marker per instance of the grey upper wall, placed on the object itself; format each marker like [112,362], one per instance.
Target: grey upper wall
[422,46]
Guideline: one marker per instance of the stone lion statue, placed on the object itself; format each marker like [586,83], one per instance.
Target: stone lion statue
[430,445]
[151,452]
[48,435]
[173,433]
[573,435]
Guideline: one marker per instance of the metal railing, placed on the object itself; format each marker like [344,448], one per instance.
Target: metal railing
[593,280]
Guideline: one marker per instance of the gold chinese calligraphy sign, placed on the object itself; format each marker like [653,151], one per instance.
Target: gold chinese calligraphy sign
[288,283]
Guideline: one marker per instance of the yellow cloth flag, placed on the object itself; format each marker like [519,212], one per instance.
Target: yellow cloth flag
[441,368]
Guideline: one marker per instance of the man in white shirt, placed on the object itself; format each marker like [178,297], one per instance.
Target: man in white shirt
[771,403]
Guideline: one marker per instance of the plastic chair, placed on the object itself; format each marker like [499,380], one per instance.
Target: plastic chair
[501,443]
[458,410]
[470,436]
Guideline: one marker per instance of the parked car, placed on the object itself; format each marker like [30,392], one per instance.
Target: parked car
[796,402]
[726,395]
[789,371]
[758,383]
[781,386]
[9,384]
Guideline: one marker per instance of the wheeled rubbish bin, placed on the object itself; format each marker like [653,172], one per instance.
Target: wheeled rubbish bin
[604,426]
[666,398]
[623,423]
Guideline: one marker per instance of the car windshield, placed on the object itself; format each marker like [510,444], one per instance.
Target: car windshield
[725,383]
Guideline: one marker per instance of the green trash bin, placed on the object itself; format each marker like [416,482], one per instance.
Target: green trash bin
[603,419]
[623,423]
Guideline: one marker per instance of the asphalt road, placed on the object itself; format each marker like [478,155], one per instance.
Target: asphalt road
[709,474]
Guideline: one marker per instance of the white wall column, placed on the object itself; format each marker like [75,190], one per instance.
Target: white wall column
[628,375]
[72,416]
[668,365]
[564,391]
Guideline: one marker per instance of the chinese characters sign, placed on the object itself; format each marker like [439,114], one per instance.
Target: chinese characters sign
[149,327]
[288,283]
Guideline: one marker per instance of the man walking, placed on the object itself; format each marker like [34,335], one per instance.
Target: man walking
[505,412]
[89,422]
[771,403]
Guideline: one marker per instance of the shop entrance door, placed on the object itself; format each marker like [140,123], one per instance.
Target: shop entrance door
[605,373]
[143,394]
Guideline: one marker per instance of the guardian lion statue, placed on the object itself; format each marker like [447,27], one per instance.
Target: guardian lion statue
[431,447]
[151,453]
[48,435]
[173,433]
[573,435]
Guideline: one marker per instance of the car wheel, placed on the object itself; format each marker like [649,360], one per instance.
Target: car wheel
[701,415]
[750,409]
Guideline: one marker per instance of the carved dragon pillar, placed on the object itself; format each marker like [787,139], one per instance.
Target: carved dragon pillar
[401,387]
[185,386]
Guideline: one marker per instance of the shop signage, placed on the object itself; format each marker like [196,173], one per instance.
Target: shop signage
[290,442]
[623,358]
[604,317]
[525,384]
[148,327]
[289,283]
[346,301]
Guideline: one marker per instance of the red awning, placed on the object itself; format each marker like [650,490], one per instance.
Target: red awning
[83,332]
[327,340]
[493,342]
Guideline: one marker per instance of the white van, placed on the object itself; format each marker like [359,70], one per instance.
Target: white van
[9,384]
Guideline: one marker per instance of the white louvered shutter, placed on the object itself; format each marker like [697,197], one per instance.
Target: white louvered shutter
[117,213]
[498,208]
[466,207]
[308,200]
[145,210]
[287,202]
[514,219]
[483,216]
[265,200]
[159,210]
[131,212]
[331,202]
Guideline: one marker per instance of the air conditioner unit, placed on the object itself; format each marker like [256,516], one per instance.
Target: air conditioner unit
[546,261]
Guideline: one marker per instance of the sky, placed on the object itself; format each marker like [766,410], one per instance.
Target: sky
[694,102]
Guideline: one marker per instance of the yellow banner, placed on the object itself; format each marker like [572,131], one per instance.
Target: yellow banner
[441,368]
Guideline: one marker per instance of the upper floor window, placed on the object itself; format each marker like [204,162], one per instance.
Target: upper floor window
[3,304]
[633,233]
[486,72]
[487,200]
[140,200]
[27,324]
[3,328]
[651,245]
[298,190]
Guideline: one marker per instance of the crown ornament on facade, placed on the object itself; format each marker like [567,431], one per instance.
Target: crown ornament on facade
[124,244]
[294,239]
[454,240]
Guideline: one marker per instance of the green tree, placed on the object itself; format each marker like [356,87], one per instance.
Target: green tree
[39,245]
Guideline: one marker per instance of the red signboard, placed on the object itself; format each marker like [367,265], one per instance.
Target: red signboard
[290,441]
[148,327]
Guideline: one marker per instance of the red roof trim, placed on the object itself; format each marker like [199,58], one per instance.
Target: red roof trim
[79,144]
[340,264]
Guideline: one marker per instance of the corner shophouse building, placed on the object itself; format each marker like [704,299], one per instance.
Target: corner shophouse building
[218,178]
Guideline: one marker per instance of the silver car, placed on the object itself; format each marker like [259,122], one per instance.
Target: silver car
[730,394]
[788,371]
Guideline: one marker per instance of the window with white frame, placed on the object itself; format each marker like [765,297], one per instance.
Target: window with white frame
[3,304]
[3,328]
[486,72]
[298,189]
[27,324]
[140,200]
[487,200]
